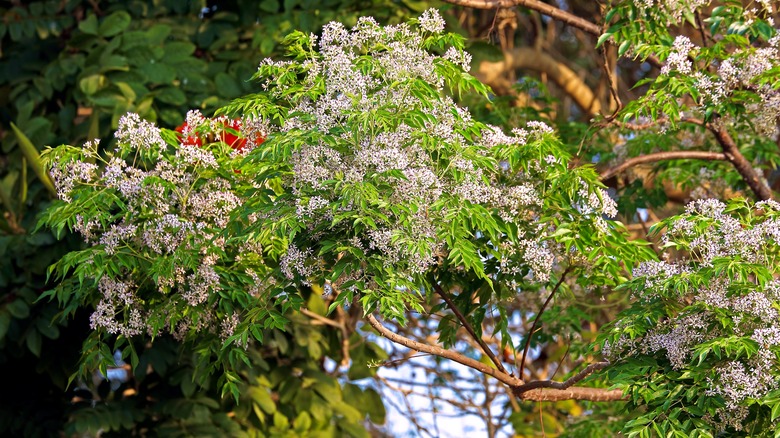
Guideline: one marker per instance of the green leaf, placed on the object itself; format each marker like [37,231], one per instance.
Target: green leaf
[34,342]
[90,25]
[227,86]
[18,309]
[92,84]
[114,24]
[34,159]
[623,48]
[602,39]
[263,399]
[269,5]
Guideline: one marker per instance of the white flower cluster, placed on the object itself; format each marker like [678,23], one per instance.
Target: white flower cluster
[118,297]
[738,380]
[166,206]
[740,71]
[669,11]
[678,58]
[719,304]
[677,337]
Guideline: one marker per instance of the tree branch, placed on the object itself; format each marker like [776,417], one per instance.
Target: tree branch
[743,166]
[441,352]
[561,385]
[536,320]
[321,319]
[577,393]
[536,5]
[662,156]
[730,149]
[465,323]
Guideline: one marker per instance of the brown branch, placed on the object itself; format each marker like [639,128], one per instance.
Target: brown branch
[561,385]
[465,323]
[662,156]
[536,320]
[536,5]
[730,149]
[441,352]
[576,393]
[743,166]
[321,319]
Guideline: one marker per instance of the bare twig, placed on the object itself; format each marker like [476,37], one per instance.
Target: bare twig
[662,156]
[536,320]
[441,352]
[468,326]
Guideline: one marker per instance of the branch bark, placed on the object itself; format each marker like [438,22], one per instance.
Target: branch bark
[571,381]
[537,391]
[536,5]
[465,323]
[577,393]
[536,60]
[662,156]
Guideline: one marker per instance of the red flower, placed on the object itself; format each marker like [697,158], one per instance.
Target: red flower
[231,139]
[191,139]
[228,135]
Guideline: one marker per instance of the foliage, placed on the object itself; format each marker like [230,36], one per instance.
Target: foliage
[67,71]
[704,330]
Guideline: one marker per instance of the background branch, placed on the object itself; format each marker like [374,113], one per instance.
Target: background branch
[536,5]
[662,156]
[531,59]
[749,174]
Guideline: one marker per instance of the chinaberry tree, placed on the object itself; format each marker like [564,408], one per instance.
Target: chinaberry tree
[355,179]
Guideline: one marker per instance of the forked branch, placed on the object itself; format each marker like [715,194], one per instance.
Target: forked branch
[571,381]
[503,377]
[465,323]
[538,315]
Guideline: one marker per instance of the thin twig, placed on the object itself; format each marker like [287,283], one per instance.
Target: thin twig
[468,326]
[536,320]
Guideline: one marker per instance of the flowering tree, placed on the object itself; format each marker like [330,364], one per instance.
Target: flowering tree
[354,175]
